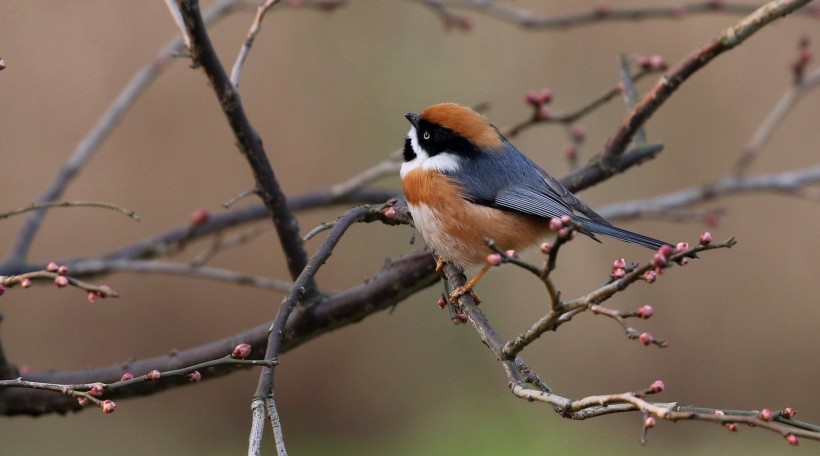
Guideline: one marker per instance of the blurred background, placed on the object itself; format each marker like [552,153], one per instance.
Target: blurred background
[327,93]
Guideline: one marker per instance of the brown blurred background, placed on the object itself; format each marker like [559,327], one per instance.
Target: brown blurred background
[327,93]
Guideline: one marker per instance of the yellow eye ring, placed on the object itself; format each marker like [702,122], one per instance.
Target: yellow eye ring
[426,135]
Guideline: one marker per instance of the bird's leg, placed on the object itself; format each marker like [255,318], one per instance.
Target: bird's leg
[468,287]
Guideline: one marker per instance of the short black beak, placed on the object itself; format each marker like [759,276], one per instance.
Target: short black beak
[413,118]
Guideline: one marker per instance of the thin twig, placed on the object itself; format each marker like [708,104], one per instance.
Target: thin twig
[398,280]
[36,206]
[683,70]
[246,46]
[106,123]
[177,16]
[265,387]
[601,13]
[200,272]
[773,119]
[788,183]
[249,143]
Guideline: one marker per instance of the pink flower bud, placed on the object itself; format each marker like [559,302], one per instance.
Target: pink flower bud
[565,233]
[546,248]
[658,260]
[200,217]
[650,276]
[732,427]
[618,274]
[441,302]
[462,317]
[649,422]
[556,224]
[706,238]
[194,376]
[532,98]
[2,64]
[620,263]
[26,283]
[681,247]
[766,415]
[390,212]
[719,413]
[646,338]
[545,96]
[645,312]
[793,440]
[92,297]
[544,112]
[62,270]
[127,376]
[83,401]
[788,412]
[656,62]
[666,251]
[656,387]
[96,389]
[153,375]
[61,281]
[241,351]
[52,267]
[2,289]
[108,406]
[566,220]
[643,62]
[571,153]
[578,132]
[495,259]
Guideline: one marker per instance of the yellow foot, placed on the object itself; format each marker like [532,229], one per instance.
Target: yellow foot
[460,291]
[440,266]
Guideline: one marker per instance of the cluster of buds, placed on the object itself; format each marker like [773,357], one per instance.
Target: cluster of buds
[577,134]
[563,226]
[497,259]
[540,100]
[619,268]
[62,272]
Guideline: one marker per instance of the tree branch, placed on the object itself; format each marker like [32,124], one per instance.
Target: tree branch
[249,142]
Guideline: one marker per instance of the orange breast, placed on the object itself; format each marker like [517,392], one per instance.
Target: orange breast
[455,228]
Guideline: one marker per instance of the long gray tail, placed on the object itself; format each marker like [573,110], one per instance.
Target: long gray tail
[622,234]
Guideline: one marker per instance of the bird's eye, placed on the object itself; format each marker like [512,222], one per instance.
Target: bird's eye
[426,135]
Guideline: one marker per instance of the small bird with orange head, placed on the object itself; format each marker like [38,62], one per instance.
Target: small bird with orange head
[465,183]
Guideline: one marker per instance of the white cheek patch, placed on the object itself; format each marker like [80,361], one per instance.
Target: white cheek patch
[443,162]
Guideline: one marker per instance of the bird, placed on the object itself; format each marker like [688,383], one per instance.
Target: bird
[465,183]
